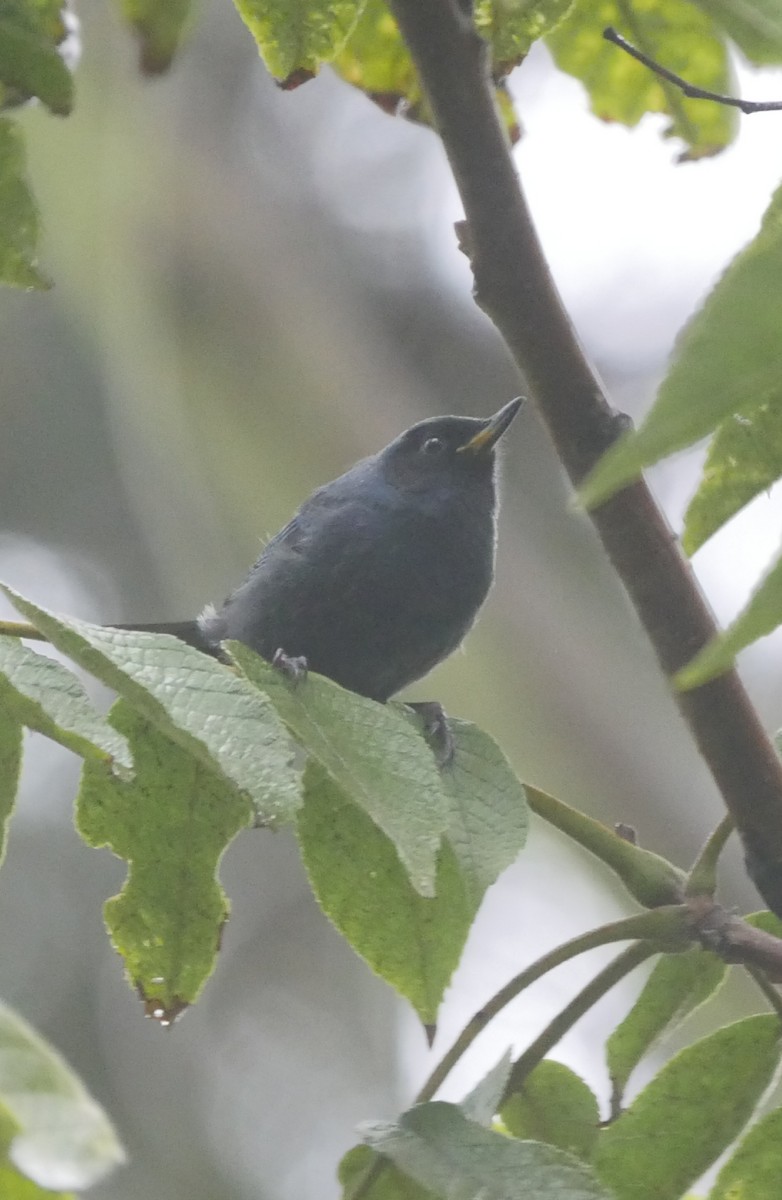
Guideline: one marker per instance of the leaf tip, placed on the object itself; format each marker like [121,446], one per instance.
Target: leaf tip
[164,1014]
[619,466]
[704,667]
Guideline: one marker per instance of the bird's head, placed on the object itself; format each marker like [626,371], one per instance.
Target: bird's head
[447,452]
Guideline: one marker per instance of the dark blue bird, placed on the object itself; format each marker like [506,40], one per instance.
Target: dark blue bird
[380,574]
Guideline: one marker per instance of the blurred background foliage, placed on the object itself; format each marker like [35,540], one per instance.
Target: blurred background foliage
[253,289]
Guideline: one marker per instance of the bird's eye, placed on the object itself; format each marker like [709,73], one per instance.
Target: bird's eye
[433,445]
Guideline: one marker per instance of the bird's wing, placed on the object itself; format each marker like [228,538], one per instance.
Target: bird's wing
[289,536]
[312,519]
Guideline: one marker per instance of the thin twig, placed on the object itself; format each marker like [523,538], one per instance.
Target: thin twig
[689,89]
[20,629]
[616,970]
[513,285]
[646,925]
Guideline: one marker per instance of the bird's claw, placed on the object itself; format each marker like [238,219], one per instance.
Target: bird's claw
[293,667]
[436,730]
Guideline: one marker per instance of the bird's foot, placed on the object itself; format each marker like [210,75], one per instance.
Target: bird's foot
[435,729]
[293,667]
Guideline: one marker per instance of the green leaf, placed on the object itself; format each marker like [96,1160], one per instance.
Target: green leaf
[62,1138]
[10,767]
[760,617]
[728,361]
[19,219]
[30,63]
[371,751]
[43,695]
[554,1106]
[482,1102]
[754,1170]
[678,985]
[299,37]
[745,458]
[203,706]
[159,25]
[172,824]
[488,815]
[389,1183]
[754,25]
[375,59]
[510,29]
[690,1112]
[677,35]
[454,1157]
[412,942]
[14,1186]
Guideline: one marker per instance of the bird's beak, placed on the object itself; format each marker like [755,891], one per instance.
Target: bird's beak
[492,430]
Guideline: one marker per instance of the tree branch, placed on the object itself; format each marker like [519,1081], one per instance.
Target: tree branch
[514,287]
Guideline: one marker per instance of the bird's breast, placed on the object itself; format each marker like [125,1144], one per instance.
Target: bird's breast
[441,560]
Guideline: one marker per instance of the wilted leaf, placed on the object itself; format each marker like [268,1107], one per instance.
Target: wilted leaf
[63,1139]
[172,824]
[690,1112]
[412,942]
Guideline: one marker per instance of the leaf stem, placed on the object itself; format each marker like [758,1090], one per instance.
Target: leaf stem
[616,970]
[702,879]
[662,925]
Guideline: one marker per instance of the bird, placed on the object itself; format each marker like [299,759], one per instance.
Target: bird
[381,573]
